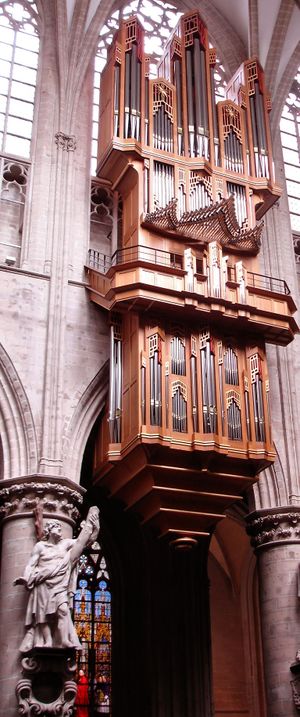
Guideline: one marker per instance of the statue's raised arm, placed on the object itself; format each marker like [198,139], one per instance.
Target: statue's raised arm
[88,534]
[50,577]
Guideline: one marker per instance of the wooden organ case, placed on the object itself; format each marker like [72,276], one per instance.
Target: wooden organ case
[187,425]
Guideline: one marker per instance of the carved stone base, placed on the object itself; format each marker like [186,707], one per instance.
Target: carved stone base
[295,684]
[48,686]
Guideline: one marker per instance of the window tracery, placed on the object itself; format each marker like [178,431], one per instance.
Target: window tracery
[290,139]
[19,49]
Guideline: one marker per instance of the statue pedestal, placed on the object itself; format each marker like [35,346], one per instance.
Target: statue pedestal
[295,683]
[48,686]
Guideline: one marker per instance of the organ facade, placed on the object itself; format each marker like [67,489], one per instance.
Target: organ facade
[187,427]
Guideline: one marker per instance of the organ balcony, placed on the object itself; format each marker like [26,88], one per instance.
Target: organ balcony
[193,284]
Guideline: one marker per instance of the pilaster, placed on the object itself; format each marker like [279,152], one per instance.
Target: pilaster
[51,454]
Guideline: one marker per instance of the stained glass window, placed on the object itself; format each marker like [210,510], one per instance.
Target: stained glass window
[92,620]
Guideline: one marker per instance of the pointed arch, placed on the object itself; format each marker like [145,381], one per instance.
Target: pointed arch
[88,407]
[284,87]
[17,427]
[277,42]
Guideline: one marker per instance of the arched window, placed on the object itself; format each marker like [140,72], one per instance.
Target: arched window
[290,139]
[19,48]
[92,620]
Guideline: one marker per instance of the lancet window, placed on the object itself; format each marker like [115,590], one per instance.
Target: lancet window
[92,620]
[290,139]
[19,48]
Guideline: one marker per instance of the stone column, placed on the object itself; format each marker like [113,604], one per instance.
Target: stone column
[24,503]
[180,641]
[275,536]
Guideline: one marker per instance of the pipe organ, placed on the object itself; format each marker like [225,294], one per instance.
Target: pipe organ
[187,426]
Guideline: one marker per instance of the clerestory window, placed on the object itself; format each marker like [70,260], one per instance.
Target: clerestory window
[19,51]
[290,139]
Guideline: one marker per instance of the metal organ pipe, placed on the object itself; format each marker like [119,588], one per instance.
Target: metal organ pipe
[118,391]
[138,100]
[146,110]
[215,118]
[198,88]
[240,202]
[132,107]
[194,391]
[127,94]
[205,403]
[178,85]
[111,407]
[116,99]
[115,387]
[133,90]
[205,153]
[234,421]
[190,102]
[254,134]
[262,145]
[163,183]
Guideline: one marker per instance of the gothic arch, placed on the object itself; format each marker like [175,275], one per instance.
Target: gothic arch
[88,407]
[17,428]
[271,489]
[284,87]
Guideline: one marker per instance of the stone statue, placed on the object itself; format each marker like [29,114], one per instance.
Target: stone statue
[50,576]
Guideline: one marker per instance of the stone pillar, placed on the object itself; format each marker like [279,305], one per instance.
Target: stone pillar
[275,535]
[24,502]
[180,641]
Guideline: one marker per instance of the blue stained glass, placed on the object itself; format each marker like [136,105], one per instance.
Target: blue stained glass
[92,620]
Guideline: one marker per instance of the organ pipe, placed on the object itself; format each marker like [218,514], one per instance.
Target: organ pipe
[184,119]
[116,100]
[115,387]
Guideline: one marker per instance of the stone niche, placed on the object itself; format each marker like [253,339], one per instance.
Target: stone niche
[48,686]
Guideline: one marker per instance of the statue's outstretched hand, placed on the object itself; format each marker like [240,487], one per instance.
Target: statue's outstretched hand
[20,581]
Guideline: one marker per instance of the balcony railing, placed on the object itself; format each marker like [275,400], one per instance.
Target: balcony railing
[149,255]
[165,259]
[102,262]
[267,283]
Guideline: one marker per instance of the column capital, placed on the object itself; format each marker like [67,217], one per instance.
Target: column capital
[65,141]
[274,526]
[44,495]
